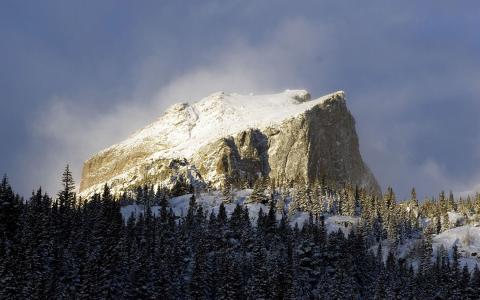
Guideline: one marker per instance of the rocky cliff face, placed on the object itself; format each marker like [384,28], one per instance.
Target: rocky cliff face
[234,139]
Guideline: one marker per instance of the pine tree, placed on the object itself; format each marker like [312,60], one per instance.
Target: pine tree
[258,193]
[199,276]
[438,226]
[477,203]
[465,282]
[258,285]
[446,222]
[380,286]
[358,205]
[9,287]
[307,261]
[425,256]
[475,280]
[66,196]
[270,223]
[414,212]
[192,209]
[10,209]
[454,275]
[227,193]
[452,206]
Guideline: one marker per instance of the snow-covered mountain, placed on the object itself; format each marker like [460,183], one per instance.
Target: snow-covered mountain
[234,139]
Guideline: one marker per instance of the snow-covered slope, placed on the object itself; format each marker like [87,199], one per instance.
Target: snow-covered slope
[185,128]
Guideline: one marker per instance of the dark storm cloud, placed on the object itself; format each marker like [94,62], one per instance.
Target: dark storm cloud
[76,77]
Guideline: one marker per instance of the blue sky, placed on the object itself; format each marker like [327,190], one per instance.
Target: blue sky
[77,76]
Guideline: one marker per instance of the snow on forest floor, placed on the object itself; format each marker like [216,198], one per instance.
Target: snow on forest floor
[211,202]
[467,239]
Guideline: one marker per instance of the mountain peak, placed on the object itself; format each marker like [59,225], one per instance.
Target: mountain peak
[266,126]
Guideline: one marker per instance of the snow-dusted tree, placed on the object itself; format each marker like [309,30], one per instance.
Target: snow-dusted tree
[445,221]
[227,193]
[258,285]
[198,282]
[452,205]
[258,194]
